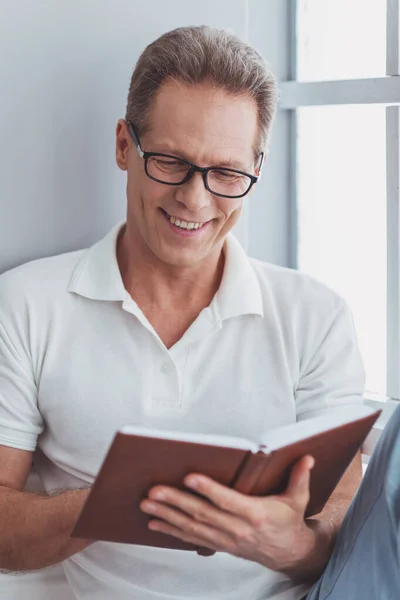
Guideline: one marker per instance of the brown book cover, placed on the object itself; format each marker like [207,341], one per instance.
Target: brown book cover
[135,463]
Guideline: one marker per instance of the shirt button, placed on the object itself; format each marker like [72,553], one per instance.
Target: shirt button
[165,369]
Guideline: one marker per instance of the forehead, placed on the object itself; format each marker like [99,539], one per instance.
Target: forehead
[204,123]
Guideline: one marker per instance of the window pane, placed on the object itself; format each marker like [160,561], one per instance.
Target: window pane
[342,217]
[340,39]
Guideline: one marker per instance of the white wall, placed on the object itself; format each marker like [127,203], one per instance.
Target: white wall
[65,69]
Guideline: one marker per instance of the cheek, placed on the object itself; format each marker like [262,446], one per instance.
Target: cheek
[232,215]
[145,195]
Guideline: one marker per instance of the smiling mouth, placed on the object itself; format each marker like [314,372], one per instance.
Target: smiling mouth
[187,225]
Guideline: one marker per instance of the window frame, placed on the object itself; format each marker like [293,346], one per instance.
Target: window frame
[384,91]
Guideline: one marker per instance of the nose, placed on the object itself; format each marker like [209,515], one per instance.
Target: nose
[193,194]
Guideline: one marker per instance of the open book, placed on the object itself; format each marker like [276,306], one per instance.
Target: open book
[140,458]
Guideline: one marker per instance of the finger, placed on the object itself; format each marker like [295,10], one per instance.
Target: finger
[168,529]
[179,521]
[225,498]
[298,488]
[198,509]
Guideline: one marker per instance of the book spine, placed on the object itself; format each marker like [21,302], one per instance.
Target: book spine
[249,472]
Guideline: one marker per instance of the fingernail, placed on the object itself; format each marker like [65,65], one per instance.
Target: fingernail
[148,506]
[192,482]
[158,496]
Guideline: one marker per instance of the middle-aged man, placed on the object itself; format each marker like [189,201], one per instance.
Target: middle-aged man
[166,323]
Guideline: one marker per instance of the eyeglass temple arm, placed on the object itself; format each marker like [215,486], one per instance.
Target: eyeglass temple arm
[261,164]
[135,139]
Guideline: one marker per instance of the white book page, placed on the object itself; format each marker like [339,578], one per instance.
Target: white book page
[196,438]
[272,440]
[283,436]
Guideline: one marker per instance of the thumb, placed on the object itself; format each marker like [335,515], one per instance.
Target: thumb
[298,488]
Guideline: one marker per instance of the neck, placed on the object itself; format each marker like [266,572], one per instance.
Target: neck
[151,282]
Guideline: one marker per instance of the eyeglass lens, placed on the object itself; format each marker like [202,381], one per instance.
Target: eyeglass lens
[220,181]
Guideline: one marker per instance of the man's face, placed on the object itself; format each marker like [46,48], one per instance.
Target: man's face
[209,128]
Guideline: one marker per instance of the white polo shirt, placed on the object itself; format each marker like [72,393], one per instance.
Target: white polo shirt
[79,360]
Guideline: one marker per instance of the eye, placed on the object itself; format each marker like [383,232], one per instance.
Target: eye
[168,164]
[228,176]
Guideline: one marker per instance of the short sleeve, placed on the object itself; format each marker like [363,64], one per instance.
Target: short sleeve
[20,419]
[334,375]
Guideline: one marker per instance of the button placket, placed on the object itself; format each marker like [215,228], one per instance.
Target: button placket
[166,394]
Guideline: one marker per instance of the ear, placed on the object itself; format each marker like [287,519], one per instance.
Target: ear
[122,144]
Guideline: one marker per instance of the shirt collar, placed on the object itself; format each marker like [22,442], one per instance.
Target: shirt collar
[97,276]
[239,292]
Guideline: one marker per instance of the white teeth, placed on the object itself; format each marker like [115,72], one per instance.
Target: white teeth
[184,224]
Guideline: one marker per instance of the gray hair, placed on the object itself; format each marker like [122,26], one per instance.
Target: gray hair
[194,55]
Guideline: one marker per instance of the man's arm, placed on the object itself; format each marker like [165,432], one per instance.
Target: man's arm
[35,529]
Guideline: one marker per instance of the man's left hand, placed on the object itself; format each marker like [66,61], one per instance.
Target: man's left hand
[269,530]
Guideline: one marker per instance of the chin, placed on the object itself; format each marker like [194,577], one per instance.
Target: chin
[181,258]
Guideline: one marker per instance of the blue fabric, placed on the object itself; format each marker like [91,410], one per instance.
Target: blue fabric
[365,564]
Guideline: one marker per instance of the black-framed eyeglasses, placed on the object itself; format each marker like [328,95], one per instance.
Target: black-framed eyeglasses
[173,170]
